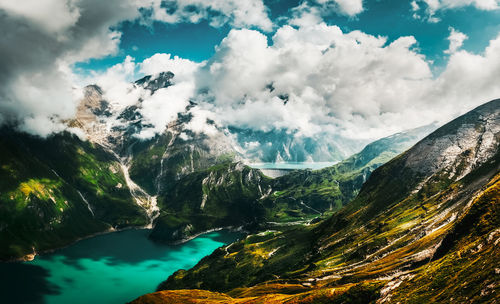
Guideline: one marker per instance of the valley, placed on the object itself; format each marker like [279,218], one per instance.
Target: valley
[250,152]
[360,229]
[421,223]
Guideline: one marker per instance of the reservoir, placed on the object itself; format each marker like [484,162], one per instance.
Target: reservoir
[111,268]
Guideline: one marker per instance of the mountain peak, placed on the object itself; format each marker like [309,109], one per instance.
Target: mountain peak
[460,145]
[156,82]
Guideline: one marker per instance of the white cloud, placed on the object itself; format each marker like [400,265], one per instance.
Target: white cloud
[241,14]
[117,85]
[316,79]
[183,69]
[333,81]
[46,37]
[349,7]
[456,39]
[42,12]
[433,6]
[309,11]
[163,106]
[310,79]
[158,108]
[480,4]
[305,15]
[352,84]
[414,6]
[199,122]
[468,80]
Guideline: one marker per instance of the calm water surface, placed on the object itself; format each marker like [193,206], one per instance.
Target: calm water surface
[111,268]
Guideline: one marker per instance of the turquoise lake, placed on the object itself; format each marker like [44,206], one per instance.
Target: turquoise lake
[110,268]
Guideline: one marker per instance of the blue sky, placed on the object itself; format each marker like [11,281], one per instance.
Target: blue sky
[389,18]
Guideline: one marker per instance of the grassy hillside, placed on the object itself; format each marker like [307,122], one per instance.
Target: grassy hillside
[423,229]
[231,194]
[44,184]
[329,189]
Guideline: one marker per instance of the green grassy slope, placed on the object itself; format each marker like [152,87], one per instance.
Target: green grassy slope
[234,195]
[40,185]
[424,228]
[329,189]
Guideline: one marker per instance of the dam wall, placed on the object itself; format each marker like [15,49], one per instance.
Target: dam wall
[274,173]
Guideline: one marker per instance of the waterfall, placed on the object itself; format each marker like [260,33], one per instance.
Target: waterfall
[142,198]
[86,202]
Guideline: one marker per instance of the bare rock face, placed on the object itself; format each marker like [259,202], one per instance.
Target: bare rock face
[459,146]
[91,116]
[162,80]
[91,104]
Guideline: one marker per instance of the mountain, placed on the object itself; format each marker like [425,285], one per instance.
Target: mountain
[155,161]
[285,146]
[166,158]
[118,127]
[234,195]
[226,195]
[424,228]
[56,190]
[328,189]
[178,159]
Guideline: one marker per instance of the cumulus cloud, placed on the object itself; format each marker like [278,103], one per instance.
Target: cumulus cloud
[42,13]
[468,80]
[316,79]
[117,84]
[456,39]
[183,69]
[480,4]
[346,7]
[240,14]
[312,12]
[40,41]
[305,15]
[163,106]
[157,108]
[311,79]
[433,6]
